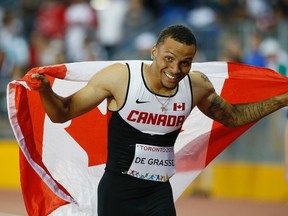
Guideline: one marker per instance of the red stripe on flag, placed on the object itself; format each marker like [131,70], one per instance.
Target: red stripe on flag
[38,197]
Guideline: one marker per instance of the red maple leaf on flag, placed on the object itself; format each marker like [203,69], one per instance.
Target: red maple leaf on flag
[90,132]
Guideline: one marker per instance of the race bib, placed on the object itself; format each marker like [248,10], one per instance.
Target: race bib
[153,163]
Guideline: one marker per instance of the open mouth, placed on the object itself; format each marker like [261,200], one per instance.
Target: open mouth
[170,76]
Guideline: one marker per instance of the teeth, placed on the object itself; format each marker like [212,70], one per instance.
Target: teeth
[170,77]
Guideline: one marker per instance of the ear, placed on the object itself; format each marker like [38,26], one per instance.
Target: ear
[153,52]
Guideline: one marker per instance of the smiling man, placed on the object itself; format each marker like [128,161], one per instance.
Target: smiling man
[149,104]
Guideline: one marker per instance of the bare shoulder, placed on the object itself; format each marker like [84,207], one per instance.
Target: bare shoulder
[112,75]
[115,69]
[111,82]
[199,79]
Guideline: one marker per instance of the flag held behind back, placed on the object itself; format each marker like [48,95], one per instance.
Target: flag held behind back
[61,167]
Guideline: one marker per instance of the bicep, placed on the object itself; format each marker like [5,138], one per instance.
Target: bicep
[103,85]
[86,99]
[209,102]
[90,96]
[216,108]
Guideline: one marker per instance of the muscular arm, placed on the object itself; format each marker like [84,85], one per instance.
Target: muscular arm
[232,115]
[107,83]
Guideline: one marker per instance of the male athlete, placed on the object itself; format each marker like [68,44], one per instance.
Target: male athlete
[148,105]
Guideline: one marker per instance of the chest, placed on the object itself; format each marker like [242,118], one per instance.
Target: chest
[156,114]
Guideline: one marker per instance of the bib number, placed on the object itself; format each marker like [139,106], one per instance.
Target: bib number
[153,163]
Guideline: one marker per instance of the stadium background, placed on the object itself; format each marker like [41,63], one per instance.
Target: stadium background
[250,172]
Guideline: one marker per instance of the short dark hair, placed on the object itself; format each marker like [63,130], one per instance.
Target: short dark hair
[179,33]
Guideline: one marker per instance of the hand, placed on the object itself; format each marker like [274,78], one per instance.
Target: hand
[41,83]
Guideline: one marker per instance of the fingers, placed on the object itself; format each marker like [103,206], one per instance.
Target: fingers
[38,76]
[39,82]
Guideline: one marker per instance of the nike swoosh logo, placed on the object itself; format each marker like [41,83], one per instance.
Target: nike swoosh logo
[140,102]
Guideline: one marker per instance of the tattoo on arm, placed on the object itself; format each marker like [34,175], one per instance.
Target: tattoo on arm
[205,78]
[233,115]
[218,111]
[254,111]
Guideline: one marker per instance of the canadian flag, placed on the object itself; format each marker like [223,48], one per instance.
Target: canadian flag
[179,106]
[61,164]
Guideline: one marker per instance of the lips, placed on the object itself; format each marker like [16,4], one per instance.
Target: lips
[170,76]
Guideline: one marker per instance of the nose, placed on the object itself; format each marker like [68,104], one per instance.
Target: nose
[174,68]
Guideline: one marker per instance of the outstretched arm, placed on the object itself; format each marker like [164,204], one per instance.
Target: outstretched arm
[232,115]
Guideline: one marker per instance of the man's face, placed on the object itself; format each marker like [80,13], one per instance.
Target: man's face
[173,61]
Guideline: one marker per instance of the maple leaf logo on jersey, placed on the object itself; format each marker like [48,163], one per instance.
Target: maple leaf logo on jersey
[178,106]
